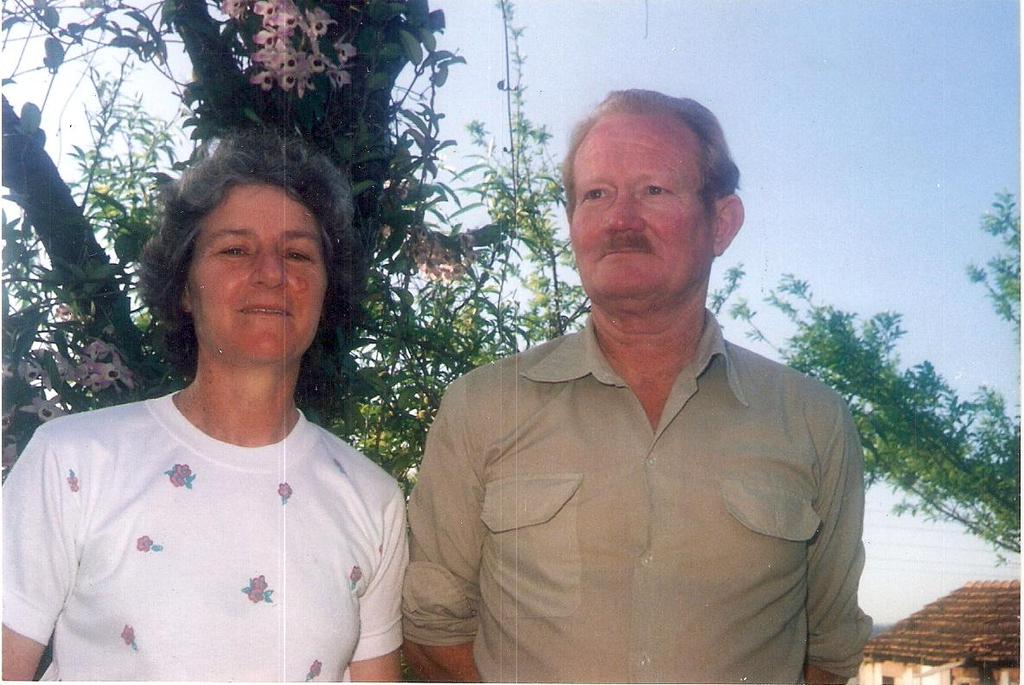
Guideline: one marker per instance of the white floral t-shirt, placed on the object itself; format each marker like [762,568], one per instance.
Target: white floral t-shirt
[154,552]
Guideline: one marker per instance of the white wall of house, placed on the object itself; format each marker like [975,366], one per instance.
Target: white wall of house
[878,673]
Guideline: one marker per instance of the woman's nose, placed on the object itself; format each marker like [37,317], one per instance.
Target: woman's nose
[269,268]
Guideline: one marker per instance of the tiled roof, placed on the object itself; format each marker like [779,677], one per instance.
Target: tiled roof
[981,620]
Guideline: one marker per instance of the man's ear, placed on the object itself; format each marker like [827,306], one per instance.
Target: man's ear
[728,221]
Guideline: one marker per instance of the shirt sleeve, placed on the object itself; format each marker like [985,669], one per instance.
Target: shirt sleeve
[380,614]
[442,592]
[41,517]
[837,628]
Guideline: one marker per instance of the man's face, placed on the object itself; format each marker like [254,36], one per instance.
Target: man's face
[641,231]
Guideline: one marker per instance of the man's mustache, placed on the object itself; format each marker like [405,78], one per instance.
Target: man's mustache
[626,241]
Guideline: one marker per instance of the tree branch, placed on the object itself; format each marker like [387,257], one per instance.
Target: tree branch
[64,231]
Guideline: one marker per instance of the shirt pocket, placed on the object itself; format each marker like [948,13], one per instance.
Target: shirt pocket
[770,510]
[531,559]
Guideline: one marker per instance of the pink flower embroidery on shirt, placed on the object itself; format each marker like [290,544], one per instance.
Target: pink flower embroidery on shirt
[354,577]
[285,491]
[257,590]
[72,481]
[314,670]
[181,475]
[128,635]
[146,544]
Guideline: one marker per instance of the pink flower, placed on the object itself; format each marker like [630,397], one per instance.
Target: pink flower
[266,8]
[264,79]
[281,14]
[317,21]
[44,409]
[257,590]
[146,544]
[271,57]
[346,51]
[354,577]
[30,371]
[285,491]
[98,375]
[234,8]
[268,39]
[339,77]
[317,63]
[128,635]
[314,670]
[64,368]
[97,349]
[120,373]
[181,475]
[62,312]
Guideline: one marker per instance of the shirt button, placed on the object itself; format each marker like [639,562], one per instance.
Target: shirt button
[645,661]
[646,559]
[651,459]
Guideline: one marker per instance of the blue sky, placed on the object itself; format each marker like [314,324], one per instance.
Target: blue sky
[871,137]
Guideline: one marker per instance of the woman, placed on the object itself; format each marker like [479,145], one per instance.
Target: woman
[215,534]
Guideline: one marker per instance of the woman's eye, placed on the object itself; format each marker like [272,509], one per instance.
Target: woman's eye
[233,251]
[298,256]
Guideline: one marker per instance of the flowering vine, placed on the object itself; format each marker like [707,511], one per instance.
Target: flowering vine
[291,45]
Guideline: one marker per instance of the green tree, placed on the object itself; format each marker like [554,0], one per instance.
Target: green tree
[1001,276]
[486,276]
[75,336]
[957,459]
[457,274]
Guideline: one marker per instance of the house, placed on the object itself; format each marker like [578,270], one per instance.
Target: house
[969,637]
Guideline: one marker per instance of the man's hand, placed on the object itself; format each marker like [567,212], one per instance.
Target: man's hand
[452,664]
[818,676]
[385,669]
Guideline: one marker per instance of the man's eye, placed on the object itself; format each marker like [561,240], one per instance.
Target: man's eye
[655,190]
[595,194]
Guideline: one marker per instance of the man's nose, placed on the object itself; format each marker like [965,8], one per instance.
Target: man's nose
[624,213]
[269,268]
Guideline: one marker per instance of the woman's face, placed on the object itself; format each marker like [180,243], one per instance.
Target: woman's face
[257,280]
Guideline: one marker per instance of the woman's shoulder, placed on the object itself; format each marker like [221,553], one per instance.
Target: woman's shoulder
[354,463]
[98,422]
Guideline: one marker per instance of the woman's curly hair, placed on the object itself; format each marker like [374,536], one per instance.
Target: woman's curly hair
[253,158]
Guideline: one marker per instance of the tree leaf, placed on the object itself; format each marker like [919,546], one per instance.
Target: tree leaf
[31,117]
[411,45]
[54,54]
[51,18]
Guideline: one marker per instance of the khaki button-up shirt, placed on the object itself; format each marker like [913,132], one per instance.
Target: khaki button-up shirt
[570,541]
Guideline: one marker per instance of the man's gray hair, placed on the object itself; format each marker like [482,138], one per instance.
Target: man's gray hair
[719,175]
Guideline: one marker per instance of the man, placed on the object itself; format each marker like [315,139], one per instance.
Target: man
[641,501]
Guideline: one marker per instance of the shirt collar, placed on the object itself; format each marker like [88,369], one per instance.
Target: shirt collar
[578,354]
